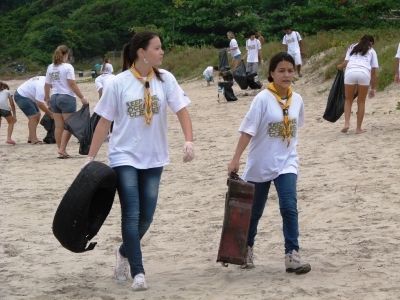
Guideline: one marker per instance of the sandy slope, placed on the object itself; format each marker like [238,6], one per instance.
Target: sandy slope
[348,194]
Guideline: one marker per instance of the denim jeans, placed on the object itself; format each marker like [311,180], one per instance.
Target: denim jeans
[138,193]
[285,185]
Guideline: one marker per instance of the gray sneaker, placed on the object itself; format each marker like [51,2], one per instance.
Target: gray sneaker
[249,259]
[139,283]
[294,264]
[121,269]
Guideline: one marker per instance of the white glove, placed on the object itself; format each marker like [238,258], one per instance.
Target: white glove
[188,152]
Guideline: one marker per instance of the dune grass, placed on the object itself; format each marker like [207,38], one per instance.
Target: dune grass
[323,51]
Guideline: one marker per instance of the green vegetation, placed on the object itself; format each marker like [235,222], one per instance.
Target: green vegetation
[191,29]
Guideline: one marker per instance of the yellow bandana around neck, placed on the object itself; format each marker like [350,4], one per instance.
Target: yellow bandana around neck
[148,111]
[287,127]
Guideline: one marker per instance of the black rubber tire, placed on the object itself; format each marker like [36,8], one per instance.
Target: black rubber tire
[85,206]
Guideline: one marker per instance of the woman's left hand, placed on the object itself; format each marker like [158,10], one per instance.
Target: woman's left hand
[371,93]
[188,152]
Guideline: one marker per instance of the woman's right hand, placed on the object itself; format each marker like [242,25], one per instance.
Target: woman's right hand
[84,101]
[233,166]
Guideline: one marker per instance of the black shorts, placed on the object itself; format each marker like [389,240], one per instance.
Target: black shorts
[5,113]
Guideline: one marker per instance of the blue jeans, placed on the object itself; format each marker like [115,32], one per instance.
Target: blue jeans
[138,193]
[285,185]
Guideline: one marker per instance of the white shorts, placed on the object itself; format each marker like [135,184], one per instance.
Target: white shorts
[297,58]
[356,77]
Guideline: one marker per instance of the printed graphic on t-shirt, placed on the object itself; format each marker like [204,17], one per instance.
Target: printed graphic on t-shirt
[277,129]
[290,40]
[251,47]
[55,75]
[136,107]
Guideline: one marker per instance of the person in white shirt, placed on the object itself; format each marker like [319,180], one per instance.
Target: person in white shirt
[137,100]
[361,63]
[294,46]
[253,47]
[234,49]
[208,74]
[271,128]
[106,67]
[397,66]
[60,77]
[29,97]
[7,110]
[105,77]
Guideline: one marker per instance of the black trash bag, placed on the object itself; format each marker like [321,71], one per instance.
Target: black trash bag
[253,82]
[84,144]
[226,88]
[227,75]
[85,206]
[223,60]
[335,105]
[78,121]
[49,126]
[240,76]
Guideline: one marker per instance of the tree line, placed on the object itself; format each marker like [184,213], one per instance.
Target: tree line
[31,30]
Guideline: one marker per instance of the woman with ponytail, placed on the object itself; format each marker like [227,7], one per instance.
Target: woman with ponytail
[271,128]
[60,78]
[136,100]
[361,63]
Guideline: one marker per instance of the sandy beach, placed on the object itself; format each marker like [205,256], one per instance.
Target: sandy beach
[348,200]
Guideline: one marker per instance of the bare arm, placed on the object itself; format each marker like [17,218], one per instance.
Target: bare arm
[396,71]
[244,140]
[100,133]
[47,88]
[301,45]
[186,124]
[373,82]
[44,108]
[74,87]
[342,65]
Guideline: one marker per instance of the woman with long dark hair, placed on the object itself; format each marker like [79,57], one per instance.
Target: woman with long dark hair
[137,100]
[271,128]
[361,63]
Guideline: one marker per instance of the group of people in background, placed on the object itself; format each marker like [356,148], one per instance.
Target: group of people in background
[136,101]
[33,96]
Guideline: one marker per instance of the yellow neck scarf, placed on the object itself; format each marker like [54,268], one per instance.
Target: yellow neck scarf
[148,111]
[287,127]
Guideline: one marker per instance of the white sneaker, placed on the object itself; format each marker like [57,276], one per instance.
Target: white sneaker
[121,269]
[294,264]
[249,259]
[139,283]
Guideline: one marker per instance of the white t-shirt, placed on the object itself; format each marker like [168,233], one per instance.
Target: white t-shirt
[252,47]
[107,69]
[232,45]
[57,76]
[33,88]
[269,155]
[209,71]
[133,142]
[102,80]
[360,62]
[4,103]
[398,55]
[292,41]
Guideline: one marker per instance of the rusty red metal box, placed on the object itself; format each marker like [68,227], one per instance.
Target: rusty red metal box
[238,206]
